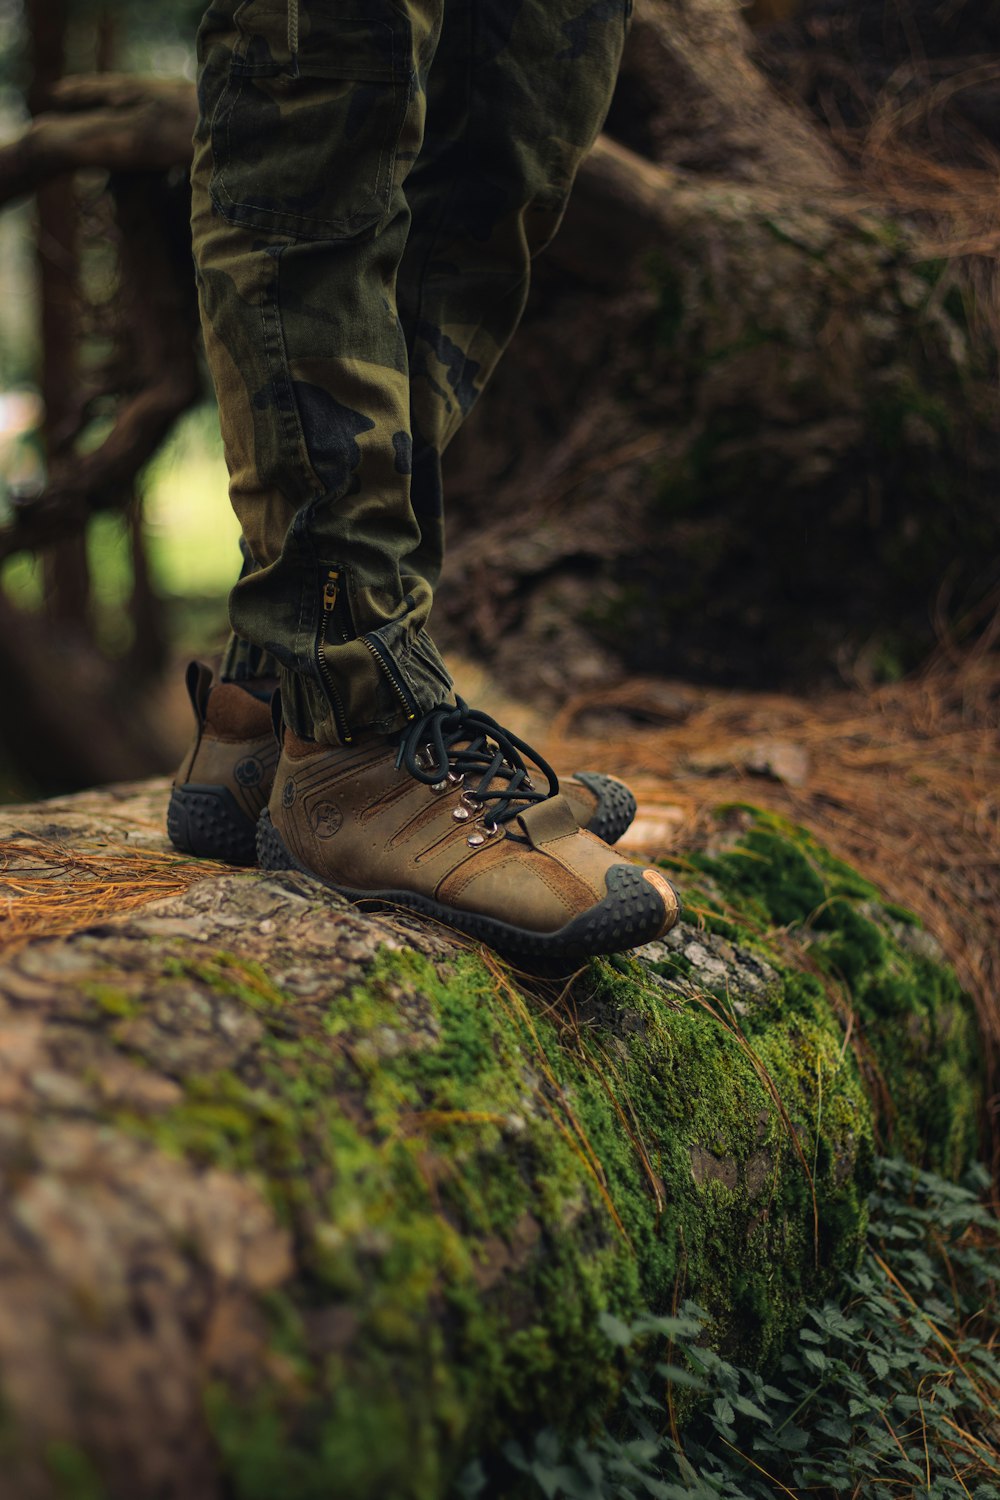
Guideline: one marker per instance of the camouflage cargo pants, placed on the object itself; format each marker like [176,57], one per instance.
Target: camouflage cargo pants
[371,181]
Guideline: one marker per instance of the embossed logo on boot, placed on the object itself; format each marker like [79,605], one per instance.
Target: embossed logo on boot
[248,772]
[288,793]
[325,819]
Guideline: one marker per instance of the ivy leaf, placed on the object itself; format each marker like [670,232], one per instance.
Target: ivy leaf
[552,1481]
[471,1482]
[615,1331]
[724,1412]
[672,1328]
[836,1428]
[640,1451]
[548,1446]
[676,1376]
[793,1439]
[748,1409]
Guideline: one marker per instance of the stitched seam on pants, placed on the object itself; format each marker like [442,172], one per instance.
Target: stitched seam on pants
[294,447]
[287,408]
[449,196]
[279,219]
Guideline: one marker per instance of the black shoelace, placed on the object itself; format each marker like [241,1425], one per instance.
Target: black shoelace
[461,744]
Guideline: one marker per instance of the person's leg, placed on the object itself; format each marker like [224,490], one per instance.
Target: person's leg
[243,661]
[515,99]
[310,127]
[309,121]
[310,154]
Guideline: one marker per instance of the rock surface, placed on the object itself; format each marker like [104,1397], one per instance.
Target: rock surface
[299,1200]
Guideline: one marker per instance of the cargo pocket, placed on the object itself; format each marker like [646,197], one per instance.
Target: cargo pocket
[305,133]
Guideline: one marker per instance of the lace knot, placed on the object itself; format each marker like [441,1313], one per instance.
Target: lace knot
[459,743]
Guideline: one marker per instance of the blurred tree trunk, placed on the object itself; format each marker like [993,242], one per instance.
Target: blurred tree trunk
[760,435]
[67,578]
[149,651]
[67,729]
[84,717]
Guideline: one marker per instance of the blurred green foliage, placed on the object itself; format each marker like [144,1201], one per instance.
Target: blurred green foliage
[148,38]
[191,532]
[192,542]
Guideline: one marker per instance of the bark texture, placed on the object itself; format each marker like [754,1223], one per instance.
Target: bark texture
[746,431]
[300,1200]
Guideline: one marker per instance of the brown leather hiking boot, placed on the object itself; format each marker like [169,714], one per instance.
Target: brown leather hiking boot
[225,778]
[446,820]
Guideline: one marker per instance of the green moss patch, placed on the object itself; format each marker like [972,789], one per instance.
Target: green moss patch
[476,1173]
[770,884]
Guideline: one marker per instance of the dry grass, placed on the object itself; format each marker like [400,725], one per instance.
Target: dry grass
[923,161]
[49,889]
[903,782]
[914,147]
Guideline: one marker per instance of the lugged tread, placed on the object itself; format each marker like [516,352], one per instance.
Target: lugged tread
[616,806]
[206,821]
[632,913]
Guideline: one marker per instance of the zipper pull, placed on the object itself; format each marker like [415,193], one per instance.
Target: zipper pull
[331,590]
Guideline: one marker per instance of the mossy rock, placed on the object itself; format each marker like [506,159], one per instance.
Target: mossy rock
[354,1197]
[909,1022]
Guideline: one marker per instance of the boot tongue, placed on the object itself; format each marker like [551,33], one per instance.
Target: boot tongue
[544,822]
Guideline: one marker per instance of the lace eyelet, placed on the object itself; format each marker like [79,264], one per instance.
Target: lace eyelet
[486,831]
[461,814]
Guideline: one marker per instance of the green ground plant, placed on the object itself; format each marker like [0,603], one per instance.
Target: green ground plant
[892,1389]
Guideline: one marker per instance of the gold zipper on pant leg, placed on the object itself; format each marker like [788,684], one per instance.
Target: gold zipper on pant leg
[391,674]
[331,592]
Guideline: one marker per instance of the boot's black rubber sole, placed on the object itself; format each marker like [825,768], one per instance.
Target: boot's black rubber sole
[208,822]
[632,913]
[616,806]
